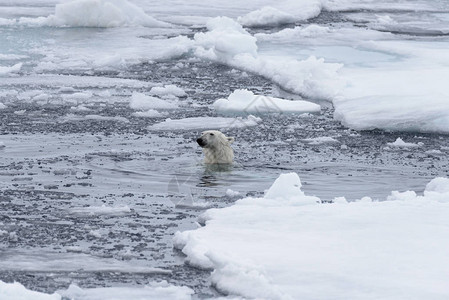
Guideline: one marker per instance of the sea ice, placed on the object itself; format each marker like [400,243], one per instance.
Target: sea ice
[399,143]
[289,246]
[140,101]
[247,101]
[8,70]
[200,123]
[266,16]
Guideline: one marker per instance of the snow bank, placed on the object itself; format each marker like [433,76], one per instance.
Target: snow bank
[227,42]
[96,13]
[266,16]
[13,69]
[246,101]
[161,290]
[288,246]
[140,101]
[200,123]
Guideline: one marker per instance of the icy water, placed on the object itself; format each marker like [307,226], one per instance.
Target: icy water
[96,200]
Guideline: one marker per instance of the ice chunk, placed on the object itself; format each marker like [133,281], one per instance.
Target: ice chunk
[151,113]
[140,101]
[13,69]
[320,140]
[200,123]
[168,90]
[399,143]
[2,106]
[246,101]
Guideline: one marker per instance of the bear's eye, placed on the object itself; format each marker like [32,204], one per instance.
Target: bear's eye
[211,133]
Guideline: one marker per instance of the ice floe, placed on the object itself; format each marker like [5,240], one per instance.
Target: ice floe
[288,245]
[246,101]
[201,123]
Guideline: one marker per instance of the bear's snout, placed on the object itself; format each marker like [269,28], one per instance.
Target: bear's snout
[201,142]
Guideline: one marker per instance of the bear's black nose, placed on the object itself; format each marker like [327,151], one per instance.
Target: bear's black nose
[200,142]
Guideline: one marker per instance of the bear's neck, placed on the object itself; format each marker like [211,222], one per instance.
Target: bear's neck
[218,155]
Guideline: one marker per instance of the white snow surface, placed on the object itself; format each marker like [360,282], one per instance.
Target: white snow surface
[155,290]
[247,101]
[288,245]
[399,143]
[265,16]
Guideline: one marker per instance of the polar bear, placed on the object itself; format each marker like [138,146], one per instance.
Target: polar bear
[216,147]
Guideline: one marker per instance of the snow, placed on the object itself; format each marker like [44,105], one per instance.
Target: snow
[140,101]
[201,123]
[247,101]
[2,106]
[266,16]
[287,245]
[155,290]
[399,143]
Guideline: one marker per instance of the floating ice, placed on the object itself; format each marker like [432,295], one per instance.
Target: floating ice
[155,290]
[151,113]
[168,90]
[320,140]
[266,16]
[13,69]
[101,210]
[140,101]
[78,118]
[227,42]
[273,248]
[246,101]
[97,13]
[2,106]
[201,123]
[399,143]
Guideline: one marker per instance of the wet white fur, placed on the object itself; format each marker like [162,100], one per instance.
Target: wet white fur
[218,147]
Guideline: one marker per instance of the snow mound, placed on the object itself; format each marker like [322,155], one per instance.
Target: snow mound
[246,101]
[140,101]
[273,248]
[266,16]
[98,13]
[200,123]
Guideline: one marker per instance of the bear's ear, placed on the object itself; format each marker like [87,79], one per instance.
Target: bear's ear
[230,140]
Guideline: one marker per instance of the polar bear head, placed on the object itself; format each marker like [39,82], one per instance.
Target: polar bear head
[216,147]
